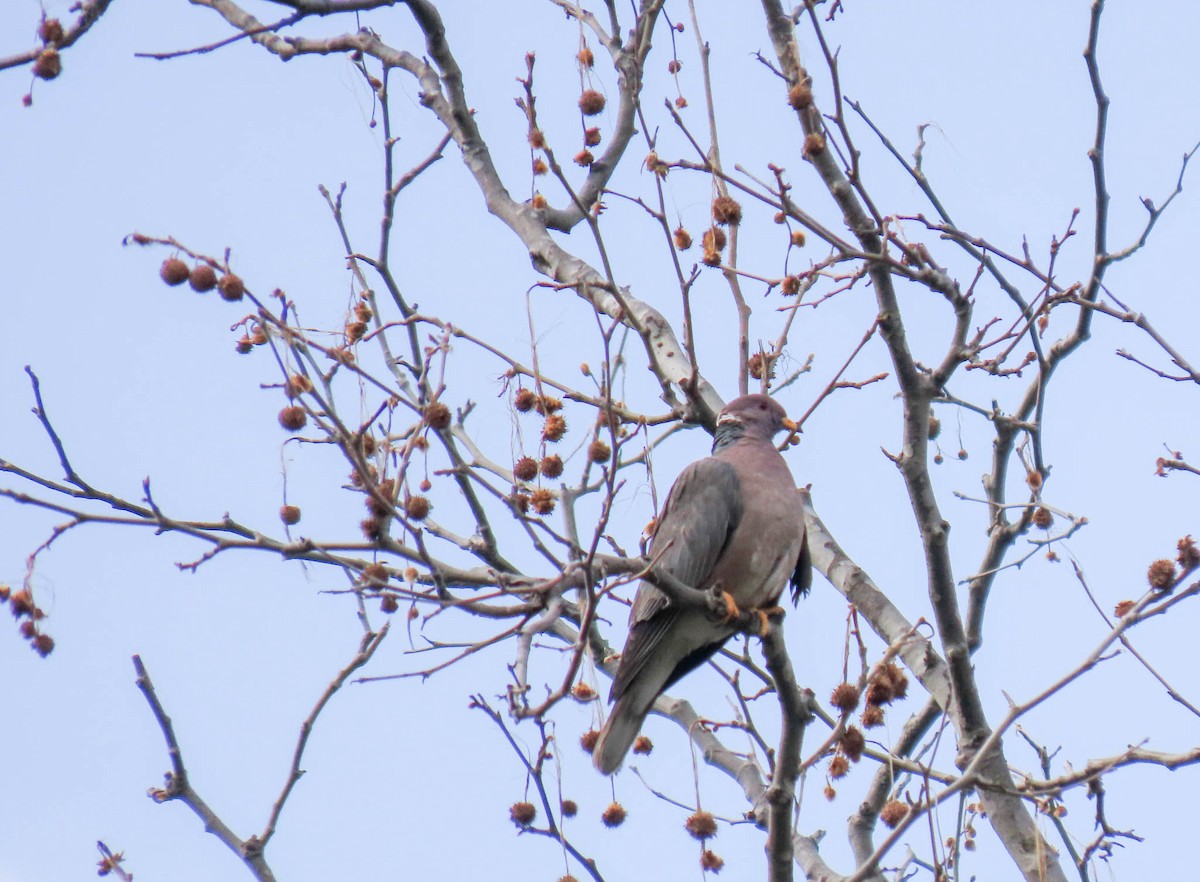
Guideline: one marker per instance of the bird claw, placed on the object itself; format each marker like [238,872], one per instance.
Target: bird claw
[731,608]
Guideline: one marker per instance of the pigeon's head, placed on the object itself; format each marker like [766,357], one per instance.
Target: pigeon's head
[752,416]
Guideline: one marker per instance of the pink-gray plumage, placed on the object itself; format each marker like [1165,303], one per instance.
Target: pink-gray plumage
[734,522]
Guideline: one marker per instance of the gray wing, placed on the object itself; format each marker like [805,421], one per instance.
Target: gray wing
[701,513]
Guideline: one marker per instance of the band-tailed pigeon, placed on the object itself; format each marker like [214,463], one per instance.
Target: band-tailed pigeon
[732,522]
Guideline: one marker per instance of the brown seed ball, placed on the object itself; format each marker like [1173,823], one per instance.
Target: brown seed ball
[710,257]
[591,102]
[21,603]
[375,575]
[643,746]
[542,501]
[814,144]
[355,331]
[524,400]
[582,692]
[173,271]
[537,139]
[872,716]
[569,808]
[674,66]
[755,366]
[584,158]
[437,415]
[790,286]
[1161,574]
[935,427]
[845,697]
[43,645]
[417,507]
[243,345]
[289,514]
[552,466]
[893,812]
[388,604]
[1122,609]
[540,167]
[599,451]
[800,96]
[521,502]
[591,137]
[258,336]
[28,629]
[293,418]
[614,815]
[839,767]
[852,743]
[554,428]
[1043,519]
[538,201]
[683,239]
[48,64]
[567,878]
[711,862]
[585,57]
[231,287]
[202,278]
[547,404]
[381,507]
[296,385]
[372,528]
[726,211]
[525,468]
[588,740]
[701,825]
[51,31]
[798,238]
[363,312]
[1189,554]
[522,813]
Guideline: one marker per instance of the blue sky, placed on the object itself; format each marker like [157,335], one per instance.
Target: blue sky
[227,150]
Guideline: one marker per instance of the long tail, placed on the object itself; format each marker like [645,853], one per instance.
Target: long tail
[622,727]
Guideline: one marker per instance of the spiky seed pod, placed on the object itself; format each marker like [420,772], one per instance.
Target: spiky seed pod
[293,418]
[714,239]
[48,64]
[800,96]
[1189,554]
[755,366]
[547,404]
[243,345]
[540,167]
[363,312]
[726,211]
[258,336]
[296,385]
[938,459]
[711,862]
[28,629]
[202,278]
[20,603]
[591,136]
[586,58]
[780,217]
[839,767]
[683,239]
[701,825]
[643,745]
[417,507]
[552,466]
[1122,609]
[935,427]
[554,428]
[1161,574]
[525,468]
[537,139]
[845,697]
[584,158]
[798,238]
[681,102]
[814,144]
[388,604]
[790,286]
[43,645]
[582,692]
[173,271]
[1043,519]
[437,415]
[538,201]
[614,815]
[655,165]
[542,501]
[289,514]
[375,575]
[5,591]
[892,813]
[382,507]
[51,30]
[591,102]
[521,502]
[872,716]
[599,451]
[355,331]
[522,813]
[587,741]
[896,678]
[372,528]
[569,808]
[852,743]
[231,287]
[674,66]
[524,400]
[962,454]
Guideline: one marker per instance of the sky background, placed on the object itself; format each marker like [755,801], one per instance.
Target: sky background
[227,150]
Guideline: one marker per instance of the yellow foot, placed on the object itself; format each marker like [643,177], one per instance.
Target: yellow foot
[731,607]
[765,616]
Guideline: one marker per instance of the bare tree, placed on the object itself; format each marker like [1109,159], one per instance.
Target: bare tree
[511,550]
